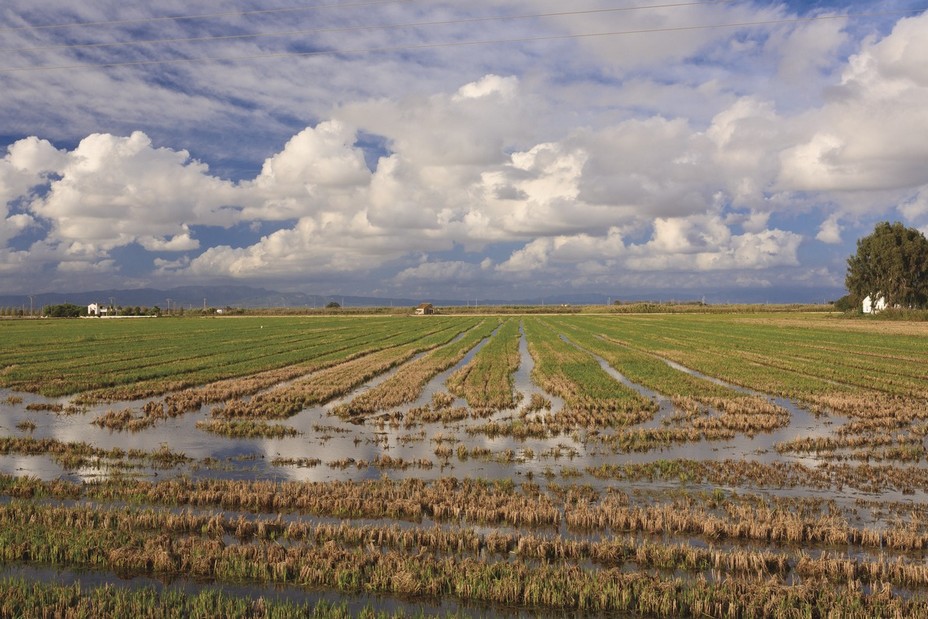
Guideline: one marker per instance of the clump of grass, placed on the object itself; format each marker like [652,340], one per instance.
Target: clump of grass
[26,426]
[299,462]
[74,455]
[536,403]
[247,428]
[22,598]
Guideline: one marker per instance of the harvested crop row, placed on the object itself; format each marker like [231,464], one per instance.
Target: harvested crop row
[21,598]
[408,382]
[332,382]
[486,382]
[593,398]
[243,359]
[247,428]
[551,584]
[189,399]
[707,406]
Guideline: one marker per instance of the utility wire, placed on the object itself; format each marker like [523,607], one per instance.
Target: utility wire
[426,46]
[146,20]
[446,22]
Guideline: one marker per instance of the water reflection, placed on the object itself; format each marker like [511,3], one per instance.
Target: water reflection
[331,440]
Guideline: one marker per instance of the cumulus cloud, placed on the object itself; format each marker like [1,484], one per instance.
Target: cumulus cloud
[693,153]
[470,127]
[314,166]
[915,207]
[179,242]
[868,136]
[830,230]
[456,271]
[693,244]
[112,191]
[709,246]
[26,165]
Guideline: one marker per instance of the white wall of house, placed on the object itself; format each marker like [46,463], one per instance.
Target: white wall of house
[872,307]
[95,309]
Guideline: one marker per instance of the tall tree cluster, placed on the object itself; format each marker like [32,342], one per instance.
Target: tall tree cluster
[891,262]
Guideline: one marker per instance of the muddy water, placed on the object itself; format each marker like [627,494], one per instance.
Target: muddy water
[522,378]
[665,405]
[327,438]
[803,422]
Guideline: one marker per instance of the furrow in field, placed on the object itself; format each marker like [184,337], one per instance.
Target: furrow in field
[705,409]
[335,381]
[406,385]
[593,399]
[486,382]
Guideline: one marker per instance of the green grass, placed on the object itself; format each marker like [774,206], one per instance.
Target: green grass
[486,382]
[65,357]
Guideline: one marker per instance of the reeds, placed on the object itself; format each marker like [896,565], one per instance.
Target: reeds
[247,428]
[486,382]
[510,569]
[26,426]
[27,599]
[72,455]
[55,407]
[410,379]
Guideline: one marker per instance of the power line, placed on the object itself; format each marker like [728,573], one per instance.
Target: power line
[447,22]
[146,20]
[426,46]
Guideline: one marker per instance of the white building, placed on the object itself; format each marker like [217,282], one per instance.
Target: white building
[95,309]
[872,307]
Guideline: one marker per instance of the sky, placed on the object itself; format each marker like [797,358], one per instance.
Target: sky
[439,149]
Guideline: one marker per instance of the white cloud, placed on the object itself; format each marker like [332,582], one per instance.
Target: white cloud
[170,266]
[471,127]
[696,243]
[179,242]
[25,166]
[707,244]
[868,136]
[87,266]
[490,85]
[315,166]
[830,230]
[114,190]
[695,151]
[916,206]
[453,271]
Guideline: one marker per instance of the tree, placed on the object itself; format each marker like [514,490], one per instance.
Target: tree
[64,310]
[845,303]
[891,262]
[333,305]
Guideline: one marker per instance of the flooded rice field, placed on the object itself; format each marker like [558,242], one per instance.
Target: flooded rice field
[659,465]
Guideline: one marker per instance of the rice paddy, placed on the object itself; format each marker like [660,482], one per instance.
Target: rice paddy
[722,465]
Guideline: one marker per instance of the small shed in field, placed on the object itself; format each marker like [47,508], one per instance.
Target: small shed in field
[424,309]
[871,306]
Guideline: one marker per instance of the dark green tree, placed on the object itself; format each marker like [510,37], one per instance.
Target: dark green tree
[891,262]
[64,310]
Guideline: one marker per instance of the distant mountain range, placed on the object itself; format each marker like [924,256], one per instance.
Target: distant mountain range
[249,297]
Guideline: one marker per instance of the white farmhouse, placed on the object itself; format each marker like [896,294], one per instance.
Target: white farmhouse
[872,307]
[95,309]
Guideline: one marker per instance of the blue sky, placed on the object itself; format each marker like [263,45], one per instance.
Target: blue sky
[441,149]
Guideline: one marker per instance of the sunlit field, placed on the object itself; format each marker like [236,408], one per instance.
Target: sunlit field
[766,464]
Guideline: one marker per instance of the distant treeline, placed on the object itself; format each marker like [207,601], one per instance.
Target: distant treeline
[68,310]
[644,307]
